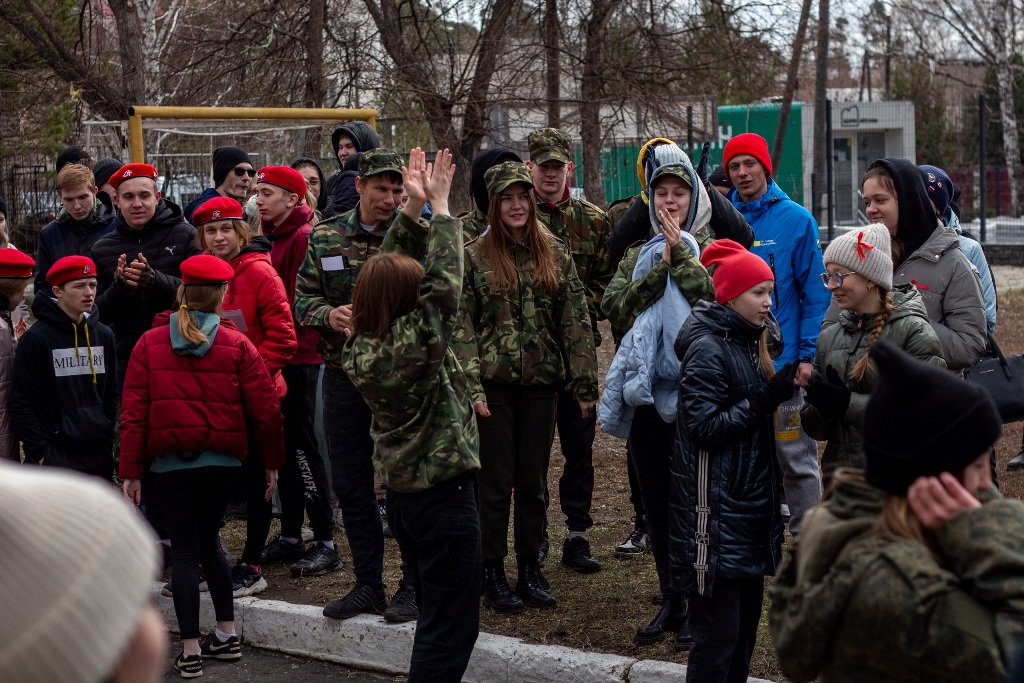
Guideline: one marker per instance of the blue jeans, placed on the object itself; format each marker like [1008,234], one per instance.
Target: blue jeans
[438,532]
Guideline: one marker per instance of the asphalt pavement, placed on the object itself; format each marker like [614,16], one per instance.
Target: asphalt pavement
[265,666]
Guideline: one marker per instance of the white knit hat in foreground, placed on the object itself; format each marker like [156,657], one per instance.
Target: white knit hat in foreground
[867,251]
[76,563]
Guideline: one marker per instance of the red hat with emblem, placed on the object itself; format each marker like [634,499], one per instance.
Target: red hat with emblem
[218,209]
[14,263]
[70,268]
[284,177]
[132,171]
[205,270]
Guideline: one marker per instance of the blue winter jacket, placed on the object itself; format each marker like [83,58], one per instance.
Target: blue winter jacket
[786,237]
[208,193]
[976,255]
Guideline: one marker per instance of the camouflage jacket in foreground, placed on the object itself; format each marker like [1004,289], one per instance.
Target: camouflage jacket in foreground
[529,335]
[625,299]
[338,248]
[850,604]
[424,429]
[585,228]
[473,224]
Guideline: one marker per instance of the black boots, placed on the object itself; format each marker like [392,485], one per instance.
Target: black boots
[1017,462]
[531,584]
[670,619]
[497,593]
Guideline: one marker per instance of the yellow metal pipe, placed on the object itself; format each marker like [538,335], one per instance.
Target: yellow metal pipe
[136,114]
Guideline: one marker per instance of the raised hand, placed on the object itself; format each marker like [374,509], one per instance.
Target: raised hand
[936,500]
[439,181]
[414,174]
[670,229]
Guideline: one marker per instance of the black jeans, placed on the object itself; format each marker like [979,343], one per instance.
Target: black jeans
[347,427]
[576,485]
[193,503]
[438,532]
[635,498]
[724,629]
[650,447]
[303,479]
[259,511]
[515,443]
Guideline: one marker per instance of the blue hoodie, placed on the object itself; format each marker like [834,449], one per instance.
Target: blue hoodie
[786,237]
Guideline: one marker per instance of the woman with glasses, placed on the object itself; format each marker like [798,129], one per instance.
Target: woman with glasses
[858,274]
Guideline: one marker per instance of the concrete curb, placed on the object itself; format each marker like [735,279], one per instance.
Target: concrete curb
[368,642]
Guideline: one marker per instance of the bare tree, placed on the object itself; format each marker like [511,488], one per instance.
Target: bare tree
[553,71]
[822,147]
[791,81]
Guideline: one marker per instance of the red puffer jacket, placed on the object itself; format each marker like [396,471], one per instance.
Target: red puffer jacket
[257,295]
[174,402]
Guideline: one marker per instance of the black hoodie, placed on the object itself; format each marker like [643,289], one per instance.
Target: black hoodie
[64,236]
[323,199]
[166,241]
[343,198]
[917,219]
[362,135]
[485,159]
[64,393]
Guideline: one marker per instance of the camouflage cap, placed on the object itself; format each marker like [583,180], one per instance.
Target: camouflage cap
[380,160]
[678,170]
[504,174]
[550,144]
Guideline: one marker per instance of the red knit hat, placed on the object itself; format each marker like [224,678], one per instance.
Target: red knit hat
[130,172]
[205,270]
[70,268]
[736,271]
[14,263]
[218,209]
[747,143]
[284,177]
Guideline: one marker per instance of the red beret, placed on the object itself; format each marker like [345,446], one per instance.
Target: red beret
[70,268]
[205,270]
[218,209]
[284,177]
[130,171]
[747,143]
[14,263]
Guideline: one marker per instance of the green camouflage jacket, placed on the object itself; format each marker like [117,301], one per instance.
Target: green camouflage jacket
[473,224]
[851,604]
[625,299]
[337,250]
[528,336]
[424,429]
[585,228]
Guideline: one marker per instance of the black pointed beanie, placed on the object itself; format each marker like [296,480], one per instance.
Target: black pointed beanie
[922,421]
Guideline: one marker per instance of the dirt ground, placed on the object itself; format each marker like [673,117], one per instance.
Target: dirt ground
[600,612]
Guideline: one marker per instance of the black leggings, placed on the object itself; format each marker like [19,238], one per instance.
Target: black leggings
[258,508]
[193,502]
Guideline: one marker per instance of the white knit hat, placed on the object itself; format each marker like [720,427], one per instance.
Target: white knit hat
[866,251]
[76,564]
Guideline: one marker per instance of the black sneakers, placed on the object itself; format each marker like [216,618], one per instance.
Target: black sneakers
[637,543]
[576,555]
[278,551]
[189,667]
[317,561]
[229,650]
[403,606]
[363,599]
[246,581]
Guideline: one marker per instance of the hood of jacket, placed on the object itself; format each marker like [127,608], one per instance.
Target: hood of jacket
[167,214]
[258,250]
[208,324]
[321,201]
[755,209]
[917,219]
[300,215]
[483,161]
[647,153]
[708,317]
[45,307]
[362,135]
[906,301]
[102,211]
[699,213]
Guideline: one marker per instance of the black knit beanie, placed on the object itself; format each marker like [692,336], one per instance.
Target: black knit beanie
[72,155]
[922,421]
[104,168]
[719,179]
[225,159]
[486,158]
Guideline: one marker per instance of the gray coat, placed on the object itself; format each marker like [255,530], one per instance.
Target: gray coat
[842,346]
[949,286]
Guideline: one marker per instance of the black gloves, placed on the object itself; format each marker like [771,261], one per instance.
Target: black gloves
[778,390]
[831,398]
[702,166]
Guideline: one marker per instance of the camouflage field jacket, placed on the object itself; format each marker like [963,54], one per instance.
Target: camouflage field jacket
[528,335]
[424,429]
[851,604]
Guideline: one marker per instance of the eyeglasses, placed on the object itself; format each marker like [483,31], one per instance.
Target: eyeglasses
[836,279]
[251,172]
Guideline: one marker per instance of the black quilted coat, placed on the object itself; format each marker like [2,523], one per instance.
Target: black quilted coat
[724,500]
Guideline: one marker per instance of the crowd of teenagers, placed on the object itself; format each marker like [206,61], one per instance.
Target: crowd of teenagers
[197,352]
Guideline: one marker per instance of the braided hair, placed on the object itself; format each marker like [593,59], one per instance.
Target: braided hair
[863,367]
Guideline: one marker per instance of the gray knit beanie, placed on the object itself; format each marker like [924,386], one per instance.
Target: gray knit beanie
[76,566]
[866,251]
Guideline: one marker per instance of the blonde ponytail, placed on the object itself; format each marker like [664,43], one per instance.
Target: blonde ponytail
[202,298]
